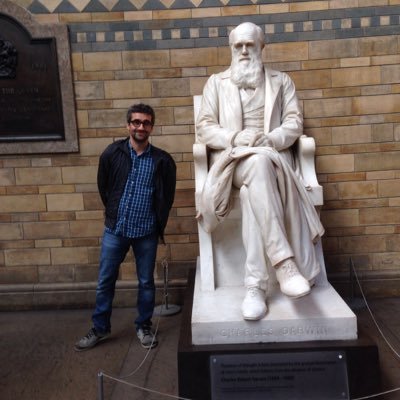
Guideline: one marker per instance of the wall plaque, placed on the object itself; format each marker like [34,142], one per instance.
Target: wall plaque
[37,110]
[309,375]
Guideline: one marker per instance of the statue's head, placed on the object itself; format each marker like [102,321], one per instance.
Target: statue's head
[247,43]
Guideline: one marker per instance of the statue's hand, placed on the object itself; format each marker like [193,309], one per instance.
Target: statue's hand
[263,141]
[246,137]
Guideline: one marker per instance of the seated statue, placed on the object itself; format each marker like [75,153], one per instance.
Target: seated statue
[249,118]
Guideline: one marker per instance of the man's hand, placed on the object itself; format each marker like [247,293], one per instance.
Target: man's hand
[263,141]
[247,137]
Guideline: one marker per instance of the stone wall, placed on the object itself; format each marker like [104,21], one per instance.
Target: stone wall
[344,58]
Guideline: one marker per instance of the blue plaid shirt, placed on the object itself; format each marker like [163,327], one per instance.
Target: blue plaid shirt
[136,216]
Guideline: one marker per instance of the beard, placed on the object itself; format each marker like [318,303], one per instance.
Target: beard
[140,136]
[249,75]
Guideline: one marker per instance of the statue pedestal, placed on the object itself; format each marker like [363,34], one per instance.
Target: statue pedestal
[218,360]
[321,315]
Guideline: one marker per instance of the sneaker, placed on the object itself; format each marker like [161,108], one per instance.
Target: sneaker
[253,306]
[291,282]
[147,338]
[90,340]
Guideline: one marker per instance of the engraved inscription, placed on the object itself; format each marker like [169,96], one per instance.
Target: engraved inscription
[298,330]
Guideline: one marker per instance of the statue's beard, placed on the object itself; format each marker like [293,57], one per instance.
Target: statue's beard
[249,75]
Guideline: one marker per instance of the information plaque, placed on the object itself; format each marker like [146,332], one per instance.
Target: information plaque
[298,375]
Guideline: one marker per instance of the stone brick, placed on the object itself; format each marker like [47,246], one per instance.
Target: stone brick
[357,190]
[328,107]
[382,133]
[130,89]
[206,12]
[27,203]
[377,161]
[174,143]
[339,218]
[194,57]
[61,274]
[69,255]
[239,10]
[171,14]
[93,147]
[275,52]
[184,198]
[57,216]
[311,79]
[92,201]
[7,177]
[48,243]
[332,49]
[37,176]
[309,6]
[56,189]
[389,188]
[46,230]
[11,232]
[335,163]
[102,61]
[361,244]
[20,275]
[79,174]
[183,171]
[171,87]
[385,261]
[183,252]
[351,134]
[64,202]
[181,226]
[89,90]
[356,76]
[137,60]
[347,176]
[378,45]
[86,228]
[27,257]
[380,216]
[376,104]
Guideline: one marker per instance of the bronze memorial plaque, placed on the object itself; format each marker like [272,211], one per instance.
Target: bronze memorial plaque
[37,108]
[308,375]
[30,96]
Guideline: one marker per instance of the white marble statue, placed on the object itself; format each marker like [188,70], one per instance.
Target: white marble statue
[249,118]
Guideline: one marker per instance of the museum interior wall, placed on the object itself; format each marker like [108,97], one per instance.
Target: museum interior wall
[343,56]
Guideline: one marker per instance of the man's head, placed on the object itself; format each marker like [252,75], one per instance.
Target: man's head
[247,43]
[140,120]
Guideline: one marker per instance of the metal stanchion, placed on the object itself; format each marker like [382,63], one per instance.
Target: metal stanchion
[166,309]
[100,393]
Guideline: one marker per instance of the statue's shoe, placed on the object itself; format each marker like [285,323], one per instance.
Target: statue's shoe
[291,282]
[253,306]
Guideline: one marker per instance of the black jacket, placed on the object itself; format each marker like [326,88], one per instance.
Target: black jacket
[114,166]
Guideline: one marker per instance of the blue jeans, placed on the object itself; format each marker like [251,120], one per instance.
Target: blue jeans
[113,251]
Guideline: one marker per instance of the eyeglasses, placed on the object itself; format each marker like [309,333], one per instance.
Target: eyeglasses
[137,122]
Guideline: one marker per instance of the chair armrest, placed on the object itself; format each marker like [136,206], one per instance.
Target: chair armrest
[200,166]
[306,158]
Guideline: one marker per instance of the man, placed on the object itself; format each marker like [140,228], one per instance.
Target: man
[136,182]
[250,118]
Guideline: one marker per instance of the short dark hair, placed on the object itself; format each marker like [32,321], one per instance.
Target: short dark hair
[143,109]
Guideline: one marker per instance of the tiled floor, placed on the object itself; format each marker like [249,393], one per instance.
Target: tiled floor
[37,360]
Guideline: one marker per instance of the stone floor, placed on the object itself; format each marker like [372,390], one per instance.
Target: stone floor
[37,359]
